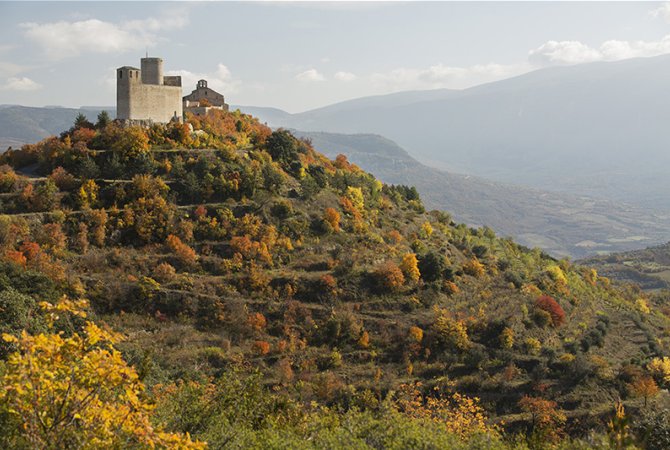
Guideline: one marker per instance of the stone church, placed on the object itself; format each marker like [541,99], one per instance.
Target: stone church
[203,99]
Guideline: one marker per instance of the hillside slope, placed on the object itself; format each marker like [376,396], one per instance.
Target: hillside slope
[649,267]
[238,250]
[561,224]
[597,129]
[22,124]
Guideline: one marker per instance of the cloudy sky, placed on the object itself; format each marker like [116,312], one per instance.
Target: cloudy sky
[298,56]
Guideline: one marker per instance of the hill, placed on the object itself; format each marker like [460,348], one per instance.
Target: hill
[22,124]
[593,129]
[649,267]
[561,224]
[270,296]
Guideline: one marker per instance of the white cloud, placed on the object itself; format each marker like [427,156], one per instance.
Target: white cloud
[345,76]
[662,12]
[71,38]
[219,79]
[574,52]
[615,50]
[21,84]
[444,76]
[563,52]
[310,75]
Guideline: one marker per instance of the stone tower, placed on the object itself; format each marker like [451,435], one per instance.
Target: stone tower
[147,95]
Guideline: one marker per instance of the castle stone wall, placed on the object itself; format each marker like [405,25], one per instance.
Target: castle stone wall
[154,102]
[145,95]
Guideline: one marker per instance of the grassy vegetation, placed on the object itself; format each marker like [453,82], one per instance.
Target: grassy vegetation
[271,297]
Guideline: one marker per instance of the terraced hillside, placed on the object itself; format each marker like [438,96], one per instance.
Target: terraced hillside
[233,249]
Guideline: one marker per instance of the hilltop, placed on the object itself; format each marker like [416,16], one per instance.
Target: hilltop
[318,305]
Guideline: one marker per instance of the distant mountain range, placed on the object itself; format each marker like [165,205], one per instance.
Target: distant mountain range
[599,129]
[24,124]
[562,224]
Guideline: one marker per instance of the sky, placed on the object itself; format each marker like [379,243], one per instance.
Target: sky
[299,56]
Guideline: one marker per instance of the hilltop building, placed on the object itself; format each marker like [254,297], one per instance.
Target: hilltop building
[146,95]
[203,99]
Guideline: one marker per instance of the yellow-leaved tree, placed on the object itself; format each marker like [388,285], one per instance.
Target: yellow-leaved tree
[76,391]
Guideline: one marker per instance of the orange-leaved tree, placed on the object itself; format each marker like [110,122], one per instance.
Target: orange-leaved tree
[75,391]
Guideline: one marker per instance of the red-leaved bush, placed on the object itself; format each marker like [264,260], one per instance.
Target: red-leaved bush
[548,304]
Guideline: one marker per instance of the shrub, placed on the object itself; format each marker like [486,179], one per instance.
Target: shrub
[548,304]
[389,277]
[415,334]
[185,254]
[256,321]
[660,369]
[332,217]
[474,268]
[64,180]
[453,332]
[533,346]
[261,348]
[506,338]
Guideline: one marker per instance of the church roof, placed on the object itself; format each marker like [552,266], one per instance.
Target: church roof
[128,67]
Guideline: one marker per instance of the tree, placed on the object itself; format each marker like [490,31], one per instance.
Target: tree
[410,268]
[103,120]
[546,420]
[88,193]
[82,122]
[282,146]
[130,142]
[75,391]
[431,266]
[644,386]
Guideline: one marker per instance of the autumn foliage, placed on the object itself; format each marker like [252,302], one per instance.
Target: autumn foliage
[185,254]
[551,306]
[389,277]
[77,392]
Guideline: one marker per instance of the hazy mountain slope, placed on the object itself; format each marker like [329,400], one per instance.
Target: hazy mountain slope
[597,128]
[23,124]
[649,267]
[561,224]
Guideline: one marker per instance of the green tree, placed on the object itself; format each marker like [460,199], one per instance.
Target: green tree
[282,146]
[103,120]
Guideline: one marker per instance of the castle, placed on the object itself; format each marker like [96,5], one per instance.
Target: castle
[145,95]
